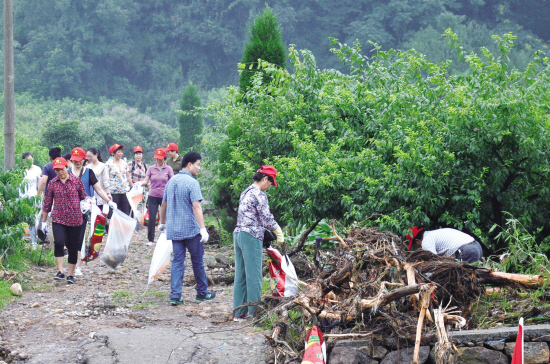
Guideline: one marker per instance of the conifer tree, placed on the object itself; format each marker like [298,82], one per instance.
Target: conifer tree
[190,126]
[265,44]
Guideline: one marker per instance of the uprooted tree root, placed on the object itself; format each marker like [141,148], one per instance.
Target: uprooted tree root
[371,287]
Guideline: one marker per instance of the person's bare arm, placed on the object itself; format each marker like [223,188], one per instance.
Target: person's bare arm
[101,193]
[145,181]
[163,212]
[44,216]
[42,184]
[129,177]
[197,210]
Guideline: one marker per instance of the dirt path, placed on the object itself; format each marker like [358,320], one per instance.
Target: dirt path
[111,317]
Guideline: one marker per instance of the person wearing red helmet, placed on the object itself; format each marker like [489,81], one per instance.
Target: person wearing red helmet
[67,190]
[174,158]
[119,178]
[91,186]
[446,242]
[137,168]
[159,175]
[253,219]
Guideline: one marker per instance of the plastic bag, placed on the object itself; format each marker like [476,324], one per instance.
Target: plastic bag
[283,275]
[161,257]
[121,230]
[146,219]
[316,350]
[92,242]
[135,197]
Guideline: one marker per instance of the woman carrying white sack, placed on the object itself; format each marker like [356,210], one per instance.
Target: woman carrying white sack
[91,186]
[253,219]
[30,187]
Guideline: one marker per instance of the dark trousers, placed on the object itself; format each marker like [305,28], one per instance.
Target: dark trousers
[153,204]
[469,253]
[196,250]
[67,236]
[122,202]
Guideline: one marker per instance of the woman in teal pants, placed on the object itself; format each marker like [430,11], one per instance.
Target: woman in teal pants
[253,219]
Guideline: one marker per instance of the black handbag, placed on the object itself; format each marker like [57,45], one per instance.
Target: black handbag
[268,238]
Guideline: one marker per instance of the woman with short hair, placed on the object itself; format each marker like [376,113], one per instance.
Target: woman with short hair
[119,178]
[253,219]
[91,186]
[68,191]
[159,174]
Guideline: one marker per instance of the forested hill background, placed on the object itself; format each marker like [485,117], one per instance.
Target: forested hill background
[144,52]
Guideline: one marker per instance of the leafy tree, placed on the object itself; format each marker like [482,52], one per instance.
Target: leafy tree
[265,44]
[190,125]
[400,141]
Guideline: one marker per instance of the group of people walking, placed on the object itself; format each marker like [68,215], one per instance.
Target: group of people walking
[175,192]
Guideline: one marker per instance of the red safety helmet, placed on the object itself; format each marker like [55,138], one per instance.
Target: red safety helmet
[413,232]
[59,163]
[78,154]
[270,171]
[172,147]
[160,153]
[115,147]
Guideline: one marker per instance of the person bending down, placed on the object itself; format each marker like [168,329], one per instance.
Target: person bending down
[446,242]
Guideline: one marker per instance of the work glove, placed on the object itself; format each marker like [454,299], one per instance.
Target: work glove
[85,205]
[204,236]
[112,205]
[162,228]
[44,227]
[279,234]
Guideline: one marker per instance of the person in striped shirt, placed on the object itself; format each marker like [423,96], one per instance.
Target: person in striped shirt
[446,242]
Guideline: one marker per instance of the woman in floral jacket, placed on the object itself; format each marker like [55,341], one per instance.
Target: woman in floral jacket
[253,219]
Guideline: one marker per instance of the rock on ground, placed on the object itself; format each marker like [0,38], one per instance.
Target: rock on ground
[406,356]
[533,353]
[480,355]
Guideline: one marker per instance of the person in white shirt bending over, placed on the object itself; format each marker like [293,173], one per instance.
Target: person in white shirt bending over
[446,242]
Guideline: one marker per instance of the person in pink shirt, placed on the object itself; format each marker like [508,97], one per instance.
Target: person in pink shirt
[159,175]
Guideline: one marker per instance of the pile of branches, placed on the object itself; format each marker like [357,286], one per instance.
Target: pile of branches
[372,286]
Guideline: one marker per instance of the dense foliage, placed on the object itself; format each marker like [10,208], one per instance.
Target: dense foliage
[69,123]
[190,125]
[144,52]
[400,141]
[265,44]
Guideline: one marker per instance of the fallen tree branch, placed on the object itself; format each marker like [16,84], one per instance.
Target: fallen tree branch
[303,238]
[392,296]
[338,236]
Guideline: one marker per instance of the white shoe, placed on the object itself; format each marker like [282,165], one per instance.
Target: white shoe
[77,271]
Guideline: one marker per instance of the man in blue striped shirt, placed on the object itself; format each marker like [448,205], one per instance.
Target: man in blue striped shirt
[181,217]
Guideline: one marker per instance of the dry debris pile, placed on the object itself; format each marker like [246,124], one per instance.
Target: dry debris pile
[371,286]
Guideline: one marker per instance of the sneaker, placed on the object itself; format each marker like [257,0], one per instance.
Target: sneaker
[70,280]
[77,271]
[207,297]
[241,318]
[59,276]
[177,302]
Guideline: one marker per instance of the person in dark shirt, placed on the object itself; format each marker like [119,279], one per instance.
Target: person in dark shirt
[48,173]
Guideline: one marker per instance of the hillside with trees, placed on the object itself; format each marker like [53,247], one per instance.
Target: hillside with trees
[143,53]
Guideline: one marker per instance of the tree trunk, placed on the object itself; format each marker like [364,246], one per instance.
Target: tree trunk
[9,98]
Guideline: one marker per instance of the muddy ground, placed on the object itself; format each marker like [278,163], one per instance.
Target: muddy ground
[113,317]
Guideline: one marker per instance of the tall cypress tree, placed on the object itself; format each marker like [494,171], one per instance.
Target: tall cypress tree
[265,44]
[190,126]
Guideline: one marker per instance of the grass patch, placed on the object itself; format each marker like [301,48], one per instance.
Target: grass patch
[20,259]
[121,294]
[156,294]
[141,306]
[507,306]
[5,294]
[266,285]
